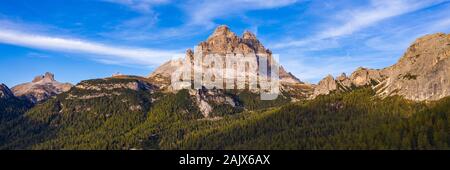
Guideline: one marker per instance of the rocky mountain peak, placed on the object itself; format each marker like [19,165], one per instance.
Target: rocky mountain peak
[248,35]
[222,31]
[47,77]
[222,42]
[343,76]
[422,73]
[41,88]
[432,47]
[328,78]
[5,92]
[325,86]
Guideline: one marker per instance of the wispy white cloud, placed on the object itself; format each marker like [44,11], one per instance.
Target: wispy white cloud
[97,51]
[204,12]
[198,16]
[138,28]
[37,55]
[363,33]
[399,36]
[379,10]
[353,20]
[144,6]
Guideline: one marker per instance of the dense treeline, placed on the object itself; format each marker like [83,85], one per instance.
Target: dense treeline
[16,130]
[137,119]
[355,120]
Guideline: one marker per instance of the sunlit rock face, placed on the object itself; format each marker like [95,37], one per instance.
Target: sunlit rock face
[423,73]
[214,56]
[41,88]
[227,61]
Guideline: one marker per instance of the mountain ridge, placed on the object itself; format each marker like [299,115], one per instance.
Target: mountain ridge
[222,42]
[133,112]
[5,92]
[41,88]
[421,74]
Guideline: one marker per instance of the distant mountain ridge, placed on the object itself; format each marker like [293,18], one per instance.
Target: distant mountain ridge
[222,42]
[359,111]
[423,73]
[41,88]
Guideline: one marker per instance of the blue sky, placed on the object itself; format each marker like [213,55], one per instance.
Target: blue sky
[85,39]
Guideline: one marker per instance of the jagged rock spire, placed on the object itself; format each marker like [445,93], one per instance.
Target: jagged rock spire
[422,73]
[5,92]
[41,88]
[222,42]
[47,77]
[249,35]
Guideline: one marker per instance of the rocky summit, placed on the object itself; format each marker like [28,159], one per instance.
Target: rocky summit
[5,92]
[421,74]
[41,88]
[220,43]
[367,109]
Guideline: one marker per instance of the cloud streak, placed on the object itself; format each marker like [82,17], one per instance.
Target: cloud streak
[143,6]
[358,19]
[129,55]
[373,36]
[205,11]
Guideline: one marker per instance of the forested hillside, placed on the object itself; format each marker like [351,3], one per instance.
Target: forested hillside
[143,119]
[354,120]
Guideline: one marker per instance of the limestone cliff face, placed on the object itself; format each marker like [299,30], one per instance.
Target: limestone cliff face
[325,86]
[219,45]
[222,42]
[41,88]
[5,92]
[162,75]
[423,73]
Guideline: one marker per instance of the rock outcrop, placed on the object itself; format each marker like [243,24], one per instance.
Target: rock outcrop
[422,74]
[204,99]
[221,43]
[111,85]
[41,88]
[5,92]
[161,76]
[325,86]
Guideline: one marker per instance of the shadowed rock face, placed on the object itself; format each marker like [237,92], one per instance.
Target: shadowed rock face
[423,73]
[41,88]
[5,92]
